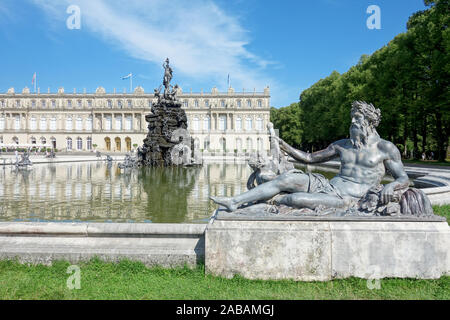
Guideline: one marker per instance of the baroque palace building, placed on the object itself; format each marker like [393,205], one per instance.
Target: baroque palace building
[115,122]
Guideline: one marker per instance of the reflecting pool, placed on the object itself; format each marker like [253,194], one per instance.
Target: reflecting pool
[94,191]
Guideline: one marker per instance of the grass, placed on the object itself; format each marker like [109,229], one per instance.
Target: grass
[443,211]
[133,280]
[428,162]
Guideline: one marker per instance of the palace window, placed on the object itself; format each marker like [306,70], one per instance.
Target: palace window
[90,103]
[207,123]
[17,103]
[185,103]
[259,104]
[238,124]
[206,103]
[223,123]
[2,103]
[69,124]
[89,144]
[53,123]
[248,124]
[33,125]
[249,103]
[79,144]
[196,103]
[43,124]
[89,123]
[33,104]
[129,104]
[109,104]
[69,103]
[79,124]
[79,104]
[259,124]
[222,103]
[119,103]
[53,104]
[238,103]
[2,123]
[69,143]
[118,122]
[43,104]
[129,123]
[17,122]
[108,122]
[195,124]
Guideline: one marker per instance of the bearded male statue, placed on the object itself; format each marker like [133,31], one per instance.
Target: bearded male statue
[365,158]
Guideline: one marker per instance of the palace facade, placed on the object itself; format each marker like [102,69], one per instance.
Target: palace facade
[115,122]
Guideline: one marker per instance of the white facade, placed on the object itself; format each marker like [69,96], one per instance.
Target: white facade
[114,122]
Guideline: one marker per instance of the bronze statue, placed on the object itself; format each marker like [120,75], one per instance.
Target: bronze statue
[364,157]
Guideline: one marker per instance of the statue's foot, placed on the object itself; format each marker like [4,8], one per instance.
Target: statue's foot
[226,202]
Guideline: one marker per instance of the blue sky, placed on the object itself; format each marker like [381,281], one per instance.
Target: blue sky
[286,45]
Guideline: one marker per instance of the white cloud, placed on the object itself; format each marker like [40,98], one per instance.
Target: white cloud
[202,40]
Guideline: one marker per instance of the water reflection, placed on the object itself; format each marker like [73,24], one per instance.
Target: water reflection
[101,192]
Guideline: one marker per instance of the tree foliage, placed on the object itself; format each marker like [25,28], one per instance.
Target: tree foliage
[407,79]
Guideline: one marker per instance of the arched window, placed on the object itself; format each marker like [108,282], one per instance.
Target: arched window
[196,103]
[53,140]
[206,143]
[79,144]
[248,124]
[43,140]
[43,124]
[53,123]
[17,122]
[259,144]
[109,102]
[108,123]
[108,144]
[130,104]
[79,104]
[238,144]
[53,103]
[118,144]
[69,143]
[43,104]
[259,124]
[15,140]
[222,103]
[249,144]
[196,123]
[89,123]
[89,143]
[238,124]
[238,103]
[118,122]
[206,103]
[33,123]
[259,104]
[128,143]
[129,123]
[33,104]
[69,103]
[2,123]
[33,140]
[79,124]
[223,122]
[249,103]
[207,123]
[223,144]
[69,124]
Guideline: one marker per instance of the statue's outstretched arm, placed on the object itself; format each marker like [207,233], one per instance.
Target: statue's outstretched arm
[315,157]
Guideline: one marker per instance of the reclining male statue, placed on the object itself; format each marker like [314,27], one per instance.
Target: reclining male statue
[364,158]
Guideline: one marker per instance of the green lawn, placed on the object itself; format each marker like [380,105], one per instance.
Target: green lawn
[132,280]
[428,162]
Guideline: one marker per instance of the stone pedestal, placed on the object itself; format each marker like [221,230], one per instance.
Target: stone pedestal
[317,250]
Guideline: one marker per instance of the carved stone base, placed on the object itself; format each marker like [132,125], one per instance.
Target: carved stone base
[324,250]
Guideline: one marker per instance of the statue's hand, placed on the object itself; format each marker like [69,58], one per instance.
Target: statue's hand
[387,194]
